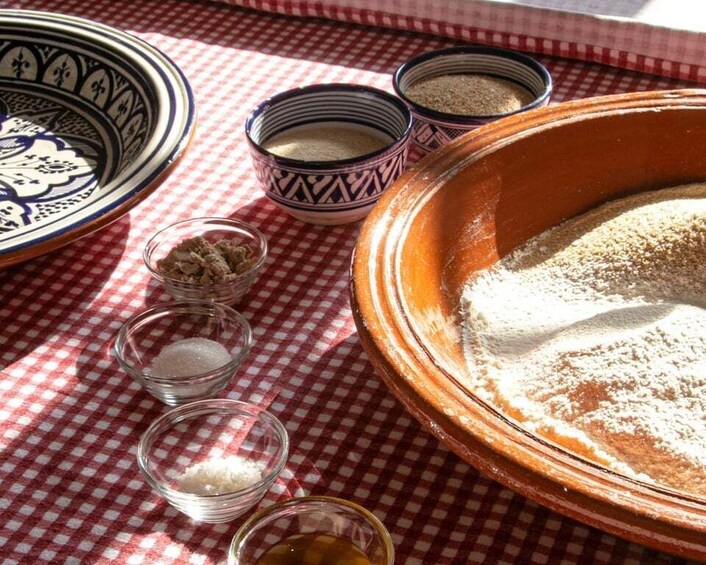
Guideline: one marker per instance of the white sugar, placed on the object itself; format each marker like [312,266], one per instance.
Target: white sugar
[220,476]
[594,334]
[189,357]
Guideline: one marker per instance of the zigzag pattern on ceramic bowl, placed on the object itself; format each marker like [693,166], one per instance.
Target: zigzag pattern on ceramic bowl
[329,192]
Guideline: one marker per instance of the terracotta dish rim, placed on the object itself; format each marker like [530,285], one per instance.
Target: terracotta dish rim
[544,472]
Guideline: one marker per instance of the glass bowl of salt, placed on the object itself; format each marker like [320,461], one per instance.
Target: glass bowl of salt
[183,351]
[213,459]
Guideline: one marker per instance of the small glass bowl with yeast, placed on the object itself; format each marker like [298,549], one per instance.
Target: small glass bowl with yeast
[312,530]
[210,258]
[213,460]
[185,350]
[454,90]
[325,153]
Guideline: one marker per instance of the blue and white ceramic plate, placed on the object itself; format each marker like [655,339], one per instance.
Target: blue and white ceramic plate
[91,118]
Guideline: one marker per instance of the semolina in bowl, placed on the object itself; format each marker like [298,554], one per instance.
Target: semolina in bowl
[326,153]
[455,90]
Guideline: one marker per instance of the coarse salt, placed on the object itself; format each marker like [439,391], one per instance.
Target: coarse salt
[220,476]
[189,357]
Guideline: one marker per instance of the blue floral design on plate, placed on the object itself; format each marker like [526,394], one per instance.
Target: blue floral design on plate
[90,118]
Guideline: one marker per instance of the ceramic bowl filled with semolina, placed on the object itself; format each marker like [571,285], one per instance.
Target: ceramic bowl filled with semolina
[325,153]
[210,258]
[454,90]
[534,294]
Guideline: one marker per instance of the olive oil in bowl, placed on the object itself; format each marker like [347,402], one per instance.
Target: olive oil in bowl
[314,549]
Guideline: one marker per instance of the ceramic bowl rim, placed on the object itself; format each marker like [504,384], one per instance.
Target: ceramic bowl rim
[470,119]
[180,306]
[353,89]
[179,101]
[644,510]
[206,407]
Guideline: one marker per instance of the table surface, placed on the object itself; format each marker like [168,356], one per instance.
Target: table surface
[71,420]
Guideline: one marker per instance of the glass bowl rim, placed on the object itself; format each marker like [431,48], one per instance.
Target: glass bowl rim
[322,500]
[207,407]
[173,307]
[154,241]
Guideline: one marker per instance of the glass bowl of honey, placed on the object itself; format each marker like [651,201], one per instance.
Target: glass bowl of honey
[312,530]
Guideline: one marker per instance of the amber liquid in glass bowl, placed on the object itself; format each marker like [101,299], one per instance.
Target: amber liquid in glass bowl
[314,549]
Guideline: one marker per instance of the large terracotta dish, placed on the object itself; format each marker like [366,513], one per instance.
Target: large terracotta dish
[461,209]
[91,119]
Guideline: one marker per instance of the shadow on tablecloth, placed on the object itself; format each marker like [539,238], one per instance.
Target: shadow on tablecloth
[77,272]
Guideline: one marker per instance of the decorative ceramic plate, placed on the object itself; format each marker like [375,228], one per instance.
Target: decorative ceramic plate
[91,118]
[466,206]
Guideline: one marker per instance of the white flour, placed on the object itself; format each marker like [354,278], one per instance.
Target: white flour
[593,334]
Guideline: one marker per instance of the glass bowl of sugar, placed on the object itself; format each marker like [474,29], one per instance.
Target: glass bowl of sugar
[213,459]
[185,350]
[325,153]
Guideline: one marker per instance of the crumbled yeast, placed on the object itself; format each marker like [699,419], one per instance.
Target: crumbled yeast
[196,260]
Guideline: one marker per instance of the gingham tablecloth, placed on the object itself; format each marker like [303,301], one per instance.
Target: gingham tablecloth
[71,420]
[665,37]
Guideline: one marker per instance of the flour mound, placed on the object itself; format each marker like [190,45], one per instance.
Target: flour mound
[593,334]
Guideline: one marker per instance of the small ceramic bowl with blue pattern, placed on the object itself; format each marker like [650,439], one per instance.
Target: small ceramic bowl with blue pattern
[325,153]
[455,90]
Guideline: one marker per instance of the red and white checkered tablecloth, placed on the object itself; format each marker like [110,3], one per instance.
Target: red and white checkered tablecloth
[70,420]
[665,37]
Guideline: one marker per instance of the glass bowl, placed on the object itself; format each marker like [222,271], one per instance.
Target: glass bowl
[352,534]
[203,278]
[213,459]
[185,350]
